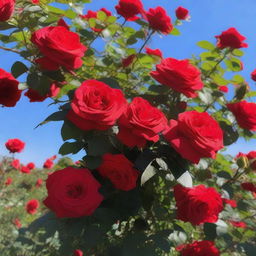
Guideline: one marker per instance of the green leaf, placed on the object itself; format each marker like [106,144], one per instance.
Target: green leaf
[208,65]
[158,88]
[98,145]
[230,135]
[38,82]
[55,10]
[206,45]
[237,79]
[57,116]
[233,64]
[146,61]
[224,174]
[101,16]
[18,68]
[210,231]
[55,75]
[92,22]
[175,32]
[70,14]
[140,34]
[89,35]
[92,162]
[249,249]
[241,92]
[5,25]
[219,80]
[132,40]
[111,82]
[111,19]
[237,52]
[209,56]
[70,131]
[71,148]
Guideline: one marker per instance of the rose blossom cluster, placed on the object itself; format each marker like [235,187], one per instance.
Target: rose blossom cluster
[97,106]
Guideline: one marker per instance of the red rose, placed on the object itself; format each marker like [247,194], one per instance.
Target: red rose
[240,154]
[62,22]
[179,75]
[128,61]
[253,165]
[25,169]
[35,96]
[6,9]
[245,114]
[39,183]
[195,135]
[253,75]
[30,166]
[78,253]
[232,203]
[119,170]
[32,206]
[249,186]
[140,122]
[197,205]
[231,38]
[182,13]
[200,248]
[223,88]
[17,223]
[9,91]
[251,155]
[238,224]
[159,20]
[8,181]
[35,1]
[59,47]
[155,52]
[182,105]
[96,106]
[72,193]
[15,163]
[15,145]
[129,9]
[48,164]
[91,14]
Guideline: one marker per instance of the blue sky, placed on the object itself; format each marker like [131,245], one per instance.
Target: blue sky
[208,18]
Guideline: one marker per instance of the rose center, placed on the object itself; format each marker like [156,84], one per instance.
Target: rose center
[74,191]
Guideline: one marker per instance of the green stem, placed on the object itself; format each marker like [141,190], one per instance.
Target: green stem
[142,47]
[217,64]
[234,178]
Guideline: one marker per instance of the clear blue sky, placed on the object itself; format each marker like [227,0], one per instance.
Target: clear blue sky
[208,18]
